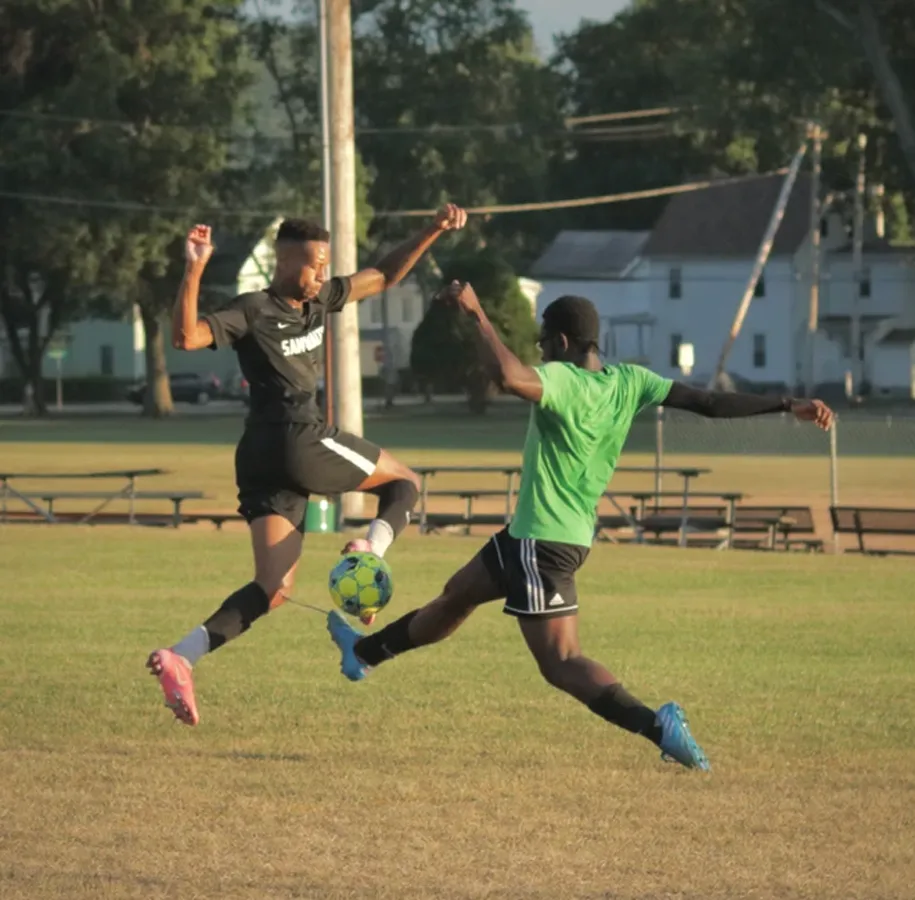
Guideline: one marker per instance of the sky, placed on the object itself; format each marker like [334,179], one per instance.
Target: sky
[550,17]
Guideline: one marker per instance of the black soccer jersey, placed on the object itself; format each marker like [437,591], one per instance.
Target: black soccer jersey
[277,347]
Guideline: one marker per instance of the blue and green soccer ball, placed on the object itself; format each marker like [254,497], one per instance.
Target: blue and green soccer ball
[360,584]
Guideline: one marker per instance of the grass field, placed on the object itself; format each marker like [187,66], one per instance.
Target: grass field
[453,772]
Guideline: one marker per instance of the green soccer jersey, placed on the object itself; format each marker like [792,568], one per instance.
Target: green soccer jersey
[574,440]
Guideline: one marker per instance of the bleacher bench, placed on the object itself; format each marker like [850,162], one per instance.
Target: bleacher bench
[869,520]
[464,520]
[686,518]
[785,526]
[50,497]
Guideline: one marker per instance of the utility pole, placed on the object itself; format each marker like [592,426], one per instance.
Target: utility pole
[347,373]
[815,133]
[326,205]
[762,254]
[855,349]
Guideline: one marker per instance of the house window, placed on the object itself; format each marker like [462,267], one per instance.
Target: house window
[106,359]
[760,289]
[375,311]
[864,283]
[675,341]
[675,287]
[406,309]
[759,351]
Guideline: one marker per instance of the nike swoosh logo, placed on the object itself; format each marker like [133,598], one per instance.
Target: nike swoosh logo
[282,325]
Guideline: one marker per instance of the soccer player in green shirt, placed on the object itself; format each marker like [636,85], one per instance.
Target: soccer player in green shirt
[581,414]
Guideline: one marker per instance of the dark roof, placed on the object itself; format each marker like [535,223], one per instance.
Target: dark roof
[589,254]
[730,219]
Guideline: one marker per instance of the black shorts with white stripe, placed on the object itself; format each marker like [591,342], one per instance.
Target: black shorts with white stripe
[538,577]
[278,466]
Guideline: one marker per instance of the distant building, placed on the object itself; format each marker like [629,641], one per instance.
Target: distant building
[682,282]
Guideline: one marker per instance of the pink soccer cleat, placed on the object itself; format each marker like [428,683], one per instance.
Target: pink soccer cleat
[174,674]
[360,545]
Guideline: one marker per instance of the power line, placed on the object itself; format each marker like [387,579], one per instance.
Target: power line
[572,121]
[132,206]
[503,128]
[581,201]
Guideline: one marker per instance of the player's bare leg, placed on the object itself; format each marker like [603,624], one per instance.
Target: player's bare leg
[277,544]
[397,489]
[470,587]
[554,645]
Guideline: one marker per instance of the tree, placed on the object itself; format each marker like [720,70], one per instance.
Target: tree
[444,352]
[746,76]
[126,109]
[453,103]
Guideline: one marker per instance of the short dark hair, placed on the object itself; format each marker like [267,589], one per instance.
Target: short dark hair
[576,318]
[301,230]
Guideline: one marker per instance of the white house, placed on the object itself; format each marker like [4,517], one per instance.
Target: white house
[599,265]
[691,271]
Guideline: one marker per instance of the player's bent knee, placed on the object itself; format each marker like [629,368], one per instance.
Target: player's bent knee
[277,588]
[555,671]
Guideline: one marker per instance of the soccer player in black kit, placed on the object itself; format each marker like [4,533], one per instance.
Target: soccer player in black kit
[287,451]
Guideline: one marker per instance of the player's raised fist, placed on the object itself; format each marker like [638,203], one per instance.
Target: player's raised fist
[450,218]
[199,246]
[464,296]
[815,411]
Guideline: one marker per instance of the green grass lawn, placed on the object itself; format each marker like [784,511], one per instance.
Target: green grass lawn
[453,772]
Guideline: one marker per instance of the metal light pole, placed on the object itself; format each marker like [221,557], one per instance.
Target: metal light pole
[816,212]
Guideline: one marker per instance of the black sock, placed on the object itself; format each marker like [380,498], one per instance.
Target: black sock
[236,614]
[396,500]
[391,641]
[618,706]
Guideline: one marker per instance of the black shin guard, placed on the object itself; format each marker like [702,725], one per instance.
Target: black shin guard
[236,614]
[396,500]
[391,641]
[619,707]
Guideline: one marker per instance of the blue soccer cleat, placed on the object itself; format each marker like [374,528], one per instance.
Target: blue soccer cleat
[677,742]
[345,637]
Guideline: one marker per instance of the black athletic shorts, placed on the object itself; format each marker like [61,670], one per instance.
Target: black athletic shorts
[538,577]
[277,467]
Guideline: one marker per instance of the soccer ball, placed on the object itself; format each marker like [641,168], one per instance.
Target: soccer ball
[360,584]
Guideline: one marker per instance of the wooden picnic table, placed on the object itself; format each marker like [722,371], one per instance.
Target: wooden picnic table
[31,497]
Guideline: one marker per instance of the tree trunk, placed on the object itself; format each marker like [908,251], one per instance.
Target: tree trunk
[888,81]
[158,400]
[33,401]
[28,357]
[479,391]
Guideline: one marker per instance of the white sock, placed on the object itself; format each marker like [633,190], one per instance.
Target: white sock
[380,536]
[195,645]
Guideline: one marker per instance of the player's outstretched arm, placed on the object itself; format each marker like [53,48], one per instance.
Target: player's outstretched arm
[722,405]
[398,263]
[505,369]
[188,331]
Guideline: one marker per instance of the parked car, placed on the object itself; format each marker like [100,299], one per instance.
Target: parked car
[187,387]
[237,388]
